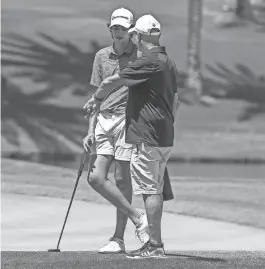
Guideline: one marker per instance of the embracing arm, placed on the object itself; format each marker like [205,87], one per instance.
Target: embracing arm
[134,73]
[107,85]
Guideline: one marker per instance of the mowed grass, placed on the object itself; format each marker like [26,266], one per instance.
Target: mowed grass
[233,200]
[214,133]
[180,260]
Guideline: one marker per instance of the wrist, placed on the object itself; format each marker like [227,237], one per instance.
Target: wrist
[92,131]
[97,99]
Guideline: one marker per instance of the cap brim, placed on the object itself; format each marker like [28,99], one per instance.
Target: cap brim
[121,22]
[132,30]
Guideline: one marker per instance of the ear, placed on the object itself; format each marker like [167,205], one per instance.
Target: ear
[108,24]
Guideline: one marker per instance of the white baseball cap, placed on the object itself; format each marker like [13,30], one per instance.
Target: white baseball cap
[122,17]
[145,24]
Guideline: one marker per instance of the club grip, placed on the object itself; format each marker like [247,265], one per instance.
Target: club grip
[82,164]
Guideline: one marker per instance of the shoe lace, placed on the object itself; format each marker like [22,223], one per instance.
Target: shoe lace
[145,246]
[148,248]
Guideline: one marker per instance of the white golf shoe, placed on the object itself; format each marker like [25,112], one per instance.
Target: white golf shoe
[114,246]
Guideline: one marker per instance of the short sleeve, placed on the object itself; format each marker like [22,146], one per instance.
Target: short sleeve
[96,76]
[139,71]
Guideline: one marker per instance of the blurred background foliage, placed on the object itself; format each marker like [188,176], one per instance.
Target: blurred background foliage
[45,78]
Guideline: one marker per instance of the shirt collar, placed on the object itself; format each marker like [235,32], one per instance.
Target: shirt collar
[128,49]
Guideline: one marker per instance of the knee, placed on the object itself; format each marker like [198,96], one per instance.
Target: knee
[94,180]
[123,176]
[120,182]
[123,183]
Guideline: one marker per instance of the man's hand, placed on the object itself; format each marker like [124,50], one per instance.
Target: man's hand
[92,106]
[88,141]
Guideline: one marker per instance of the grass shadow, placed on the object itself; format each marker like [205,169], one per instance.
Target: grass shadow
[51,128]
[196,257]
[61,65]
[58,64]
[240,83]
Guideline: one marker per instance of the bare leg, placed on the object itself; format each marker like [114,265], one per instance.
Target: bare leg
[123,182]
[154,209]
[99,182]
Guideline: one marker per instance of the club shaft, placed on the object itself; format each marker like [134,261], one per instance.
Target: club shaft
[80,170]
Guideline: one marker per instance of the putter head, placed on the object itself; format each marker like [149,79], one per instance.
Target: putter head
[54,250]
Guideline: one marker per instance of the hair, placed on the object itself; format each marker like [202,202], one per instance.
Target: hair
[108,24]
[153,39]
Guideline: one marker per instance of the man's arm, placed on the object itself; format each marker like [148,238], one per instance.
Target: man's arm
[107,85]
[92,123]
[135,73]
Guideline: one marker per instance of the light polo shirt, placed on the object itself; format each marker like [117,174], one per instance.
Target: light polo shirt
[106,64]
[152,82]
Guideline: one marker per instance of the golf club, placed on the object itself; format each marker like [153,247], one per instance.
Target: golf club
[80,170]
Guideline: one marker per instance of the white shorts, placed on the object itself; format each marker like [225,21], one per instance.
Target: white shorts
[148,167]
[112,142]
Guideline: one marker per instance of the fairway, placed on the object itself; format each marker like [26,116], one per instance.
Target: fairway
[92,260]
[203,216]
[34,223]
[33,212]
[235,200]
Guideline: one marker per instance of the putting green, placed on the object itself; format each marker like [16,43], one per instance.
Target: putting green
[34,223]
[180,260]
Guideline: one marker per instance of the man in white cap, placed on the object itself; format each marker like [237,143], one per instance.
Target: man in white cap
[151,106]
[107,129]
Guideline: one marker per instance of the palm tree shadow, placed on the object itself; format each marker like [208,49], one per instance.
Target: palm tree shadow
[239,84]
[58,65]
[52,129]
